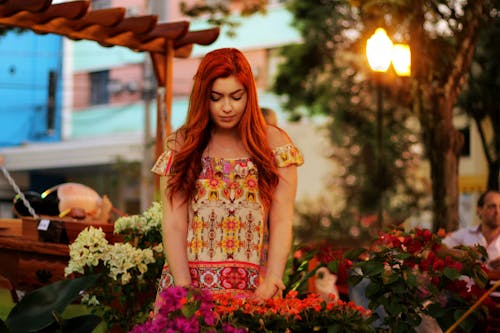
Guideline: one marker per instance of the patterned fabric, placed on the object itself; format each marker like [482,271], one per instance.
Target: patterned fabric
[227,231]
[163,163]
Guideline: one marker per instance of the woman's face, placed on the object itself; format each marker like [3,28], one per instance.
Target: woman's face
[228,100]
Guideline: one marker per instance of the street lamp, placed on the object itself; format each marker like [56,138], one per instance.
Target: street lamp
[380,52]
[401,59]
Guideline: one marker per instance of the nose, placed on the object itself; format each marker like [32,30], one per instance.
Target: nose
[226,105]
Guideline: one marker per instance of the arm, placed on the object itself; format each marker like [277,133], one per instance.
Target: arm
[174,234]
[280,240]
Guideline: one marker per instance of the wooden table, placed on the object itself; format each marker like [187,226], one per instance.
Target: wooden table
[29,263]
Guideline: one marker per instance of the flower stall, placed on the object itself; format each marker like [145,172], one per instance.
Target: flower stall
[399,282]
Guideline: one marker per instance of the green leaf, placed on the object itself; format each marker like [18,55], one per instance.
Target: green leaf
[334,328]
[304,279]
[333,266]
[353,280]
[372,289]
[3,327]
[411,280]
[81,324]
[35,310]
[372,268]
[388,277]
[436,310]
[451,273]
[354,254]
[395,308]
[190,308]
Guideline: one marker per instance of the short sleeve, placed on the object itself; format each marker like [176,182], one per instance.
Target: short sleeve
[288,155]
[163,163]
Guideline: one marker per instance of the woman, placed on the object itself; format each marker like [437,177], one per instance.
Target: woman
[230,185]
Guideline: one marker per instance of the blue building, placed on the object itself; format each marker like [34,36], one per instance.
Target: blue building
[30,88]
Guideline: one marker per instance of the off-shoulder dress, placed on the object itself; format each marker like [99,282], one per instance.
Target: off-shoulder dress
[227,238]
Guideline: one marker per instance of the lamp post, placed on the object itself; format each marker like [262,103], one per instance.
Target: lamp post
[380,52]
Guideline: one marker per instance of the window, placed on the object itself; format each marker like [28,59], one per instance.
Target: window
[99,82]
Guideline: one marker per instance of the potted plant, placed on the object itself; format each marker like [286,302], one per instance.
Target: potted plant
[129,270]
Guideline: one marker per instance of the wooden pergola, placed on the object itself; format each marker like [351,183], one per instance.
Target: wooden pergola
[109,27]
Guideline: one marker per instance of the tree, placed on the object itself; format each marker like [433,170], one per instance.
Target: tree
[480,102]
[326,74]
[435,81]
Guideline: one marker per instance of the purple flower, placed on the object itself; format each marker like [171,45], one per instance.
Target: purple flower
[171,299]
[228,328]
[186,325]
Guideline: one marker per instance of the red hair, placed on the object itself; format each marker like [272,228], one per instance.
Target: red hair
[193,137]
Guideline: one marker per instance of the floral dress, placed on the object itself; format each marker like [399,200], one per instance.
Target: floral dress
[227,236]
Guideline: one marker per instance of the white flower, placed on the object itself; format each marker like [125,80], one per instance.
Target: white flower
[90,300]
[87,250]
[149,220]
[123,257]
[158,248]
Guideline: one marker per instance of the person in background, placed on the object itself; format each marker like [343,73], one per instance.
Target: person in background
[486,234]
[269,116]
[228,187]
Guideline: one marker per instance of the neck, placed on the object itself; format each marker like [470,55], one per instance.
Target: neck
[490,233]
[225,133]
[226,143]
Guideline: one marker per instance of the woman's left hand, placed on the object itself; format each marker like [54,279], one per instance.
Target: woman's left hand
[268,288]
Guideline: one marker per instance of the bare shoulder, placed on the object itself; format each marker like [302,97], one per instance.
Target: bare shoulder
[277,136]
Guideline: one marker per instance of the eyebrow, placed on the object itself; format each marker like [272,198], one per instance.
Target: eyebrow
[232,93]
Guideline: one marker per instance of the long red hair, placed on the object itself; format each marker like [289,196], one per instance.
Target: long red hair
[192,138]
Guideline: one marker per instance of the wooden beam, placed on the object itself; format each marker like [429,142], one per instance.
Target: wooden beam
[184,51]
[69,10]
[201,37]
[10,7]
[108,17]
[137,25]
[108,27]
[172,30]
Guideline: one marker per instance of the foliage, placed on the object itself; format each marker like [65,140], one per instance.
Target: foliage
[190,310]
[219,13]
[345,228]
[327,75]
[451,30]
[41,309]
[123,295]
[479,99]
[410,274]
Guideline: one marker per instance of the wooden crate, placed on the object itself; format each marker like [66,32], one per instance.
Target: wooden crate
[70,226]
